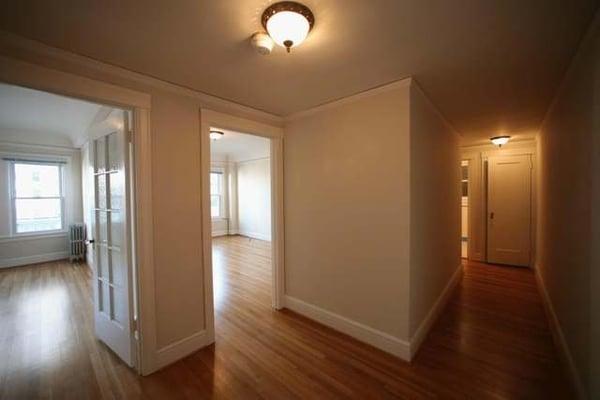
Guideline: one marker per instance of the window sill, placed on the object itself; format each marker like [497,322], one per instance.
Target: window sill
[32,236]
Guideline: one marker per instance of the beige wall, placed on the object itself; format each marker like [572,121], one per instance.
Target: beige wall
[435,206]
[346,210]
[567,256]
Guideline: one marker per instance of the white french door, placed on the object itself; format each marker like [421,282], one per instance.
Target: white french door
[509,210]
[113,278]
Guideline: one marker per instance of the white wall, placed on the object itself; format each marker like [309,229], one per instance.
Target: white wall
[254,198]
[568,214]
[347,189]
[38,248]
[435,204]
[372,213]
[569,243]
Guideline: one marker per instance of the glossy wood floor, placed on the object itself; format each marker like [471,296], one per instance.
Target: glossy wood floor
[491,342]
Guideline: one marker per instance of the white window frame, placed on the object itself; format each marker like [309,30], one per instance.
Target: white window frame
[221,215]
[13,196]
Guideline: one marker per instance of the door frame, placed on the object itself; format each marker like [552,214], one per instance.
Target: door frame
[20,73]
[212,118]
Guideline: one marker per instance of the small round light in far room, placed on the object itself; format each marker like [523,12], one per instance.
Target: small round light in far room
[216,135]
[288,23]
[500,140]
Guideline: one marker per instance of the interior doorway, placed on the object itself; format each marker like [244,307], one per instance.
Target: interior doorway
[68,182]
[241,214]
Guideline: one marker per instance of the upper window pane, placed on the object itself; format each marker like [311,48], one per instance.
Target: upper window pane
[36,180]
[215,183]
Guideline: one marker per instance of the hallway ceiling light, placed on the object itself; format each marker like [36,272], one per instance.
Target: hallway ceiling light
[500,140]
[216,135]
[288,23]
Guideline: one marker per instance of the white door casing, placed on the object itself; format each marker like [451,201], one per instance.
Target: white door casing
[113,280]
[509,210]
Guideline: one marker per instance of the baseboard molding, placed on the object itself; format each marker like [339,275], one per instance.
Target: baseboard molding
[255,235]
[364,333]
[435,311]
[181,348]
[36,259]
[220,233]
[559,338]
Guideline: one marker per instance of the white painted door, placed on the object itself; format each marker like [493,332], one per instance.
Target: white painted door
[509,210]
[113,299]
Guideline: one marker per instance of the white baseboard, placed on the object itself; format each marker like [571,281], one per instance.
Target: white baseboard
[181,348]
[220,233]
[255,235]
[38,258]
[433,314]
[364,333]
[559,338]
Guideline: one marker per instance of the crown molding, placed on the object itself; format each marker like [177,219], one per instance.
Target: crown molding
[449,126]
[10,40]
[405,82]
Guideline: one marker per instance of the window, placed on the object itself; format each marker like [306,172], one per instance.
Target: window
[216,194]
[37,198]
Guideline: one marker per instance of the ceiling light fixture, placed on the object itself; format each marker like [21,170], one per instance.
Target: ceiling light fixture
[288,23]
[500,140]
[216,135]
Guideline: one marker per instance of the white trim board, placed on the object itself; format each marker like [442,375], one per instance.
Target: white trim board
[357,330]
[403,349]
[436,310]
[559,338]
[36,259]
[255,235]
[350,99]
[182,348]
[221,232]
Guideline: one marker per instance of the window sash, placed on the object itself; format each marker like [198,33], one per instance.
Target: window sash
[219,208]
[15,198]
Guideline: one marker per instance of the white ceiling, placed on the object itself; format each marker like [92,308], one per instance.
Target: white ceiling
[490,66]
[30,115]
[236,146]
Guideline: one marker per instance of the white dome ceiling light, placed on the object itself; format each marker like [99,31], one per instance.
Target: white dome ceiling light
[288,23]
[216,135]
[500,140]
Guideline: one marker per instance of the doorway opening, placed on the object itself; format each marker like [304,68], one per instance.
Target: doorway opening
[66,232]
[241,220]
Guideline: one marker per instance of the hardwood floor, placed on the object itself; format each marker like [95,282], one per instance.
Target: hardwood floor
[491,342]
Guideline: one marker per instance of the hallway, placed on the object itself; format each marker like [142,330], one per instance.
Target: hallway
[492,342]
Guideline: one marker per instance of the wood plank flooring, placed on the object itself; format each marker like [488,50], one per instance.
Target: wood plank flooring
[491,342]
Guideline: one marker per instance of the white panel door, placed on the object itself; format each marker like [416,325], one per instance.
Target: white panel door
[509,210]
[113,305]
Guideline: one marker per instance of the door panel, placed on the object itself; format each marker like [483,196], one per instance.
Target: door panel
[509,210]
[113,277]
